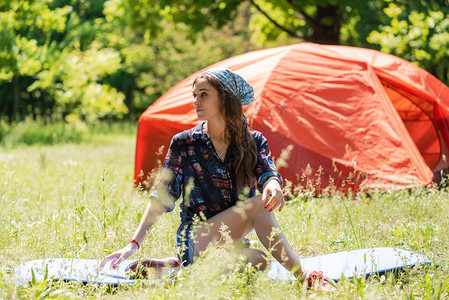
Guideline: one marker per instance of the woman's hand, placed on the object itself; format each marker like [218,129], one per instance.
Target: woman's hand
[118,256]
[153,211]
[273,188]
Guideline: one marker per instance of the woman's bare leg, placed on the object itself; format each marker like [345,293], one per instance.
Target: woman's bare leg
[239,220]
[256,257]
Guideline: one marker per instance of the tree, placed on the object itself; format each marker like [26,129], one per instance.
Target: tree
[49,53]
[418,34]
[313,21]
[24,42]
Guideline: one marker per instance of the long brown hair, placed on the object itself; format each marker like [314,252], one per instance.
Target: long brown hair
[241,143]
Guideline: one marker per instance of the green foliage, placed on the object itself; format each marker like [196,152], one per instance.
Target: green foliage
[360,19]
[146,15]
[26,26]
[46,43]
[419,36]
[416,31]
[264,31]
[72,81]
[311,20]
[85,61]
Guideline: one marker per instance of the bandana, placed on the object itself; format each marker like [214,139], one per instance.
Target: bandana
[238,86]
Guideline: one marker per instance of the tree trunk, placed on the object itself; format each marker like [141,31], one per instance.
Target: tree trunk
[16,98]
[246,15]
[325,25]
[128,90]
[33,107]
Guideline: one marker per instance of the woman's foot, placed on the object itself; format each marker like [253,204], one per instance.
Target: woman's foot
[316,280]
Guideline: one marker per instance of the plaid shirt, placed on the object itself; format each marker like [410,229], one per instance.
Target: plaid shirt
[212,189]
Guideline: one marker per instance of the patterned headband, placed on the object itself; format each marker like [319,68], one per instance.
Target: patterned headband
[238,86]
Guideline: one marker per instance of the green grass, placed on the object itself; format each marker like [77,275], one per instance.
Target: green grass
[30,132]
[62,200]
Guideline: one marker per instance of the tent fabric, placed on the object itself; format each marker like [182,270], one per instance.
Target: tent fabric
[353,118]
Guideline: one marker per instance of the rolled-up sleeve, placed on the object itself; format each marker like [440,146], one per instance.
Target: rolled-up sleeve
[170,187]
[265,168]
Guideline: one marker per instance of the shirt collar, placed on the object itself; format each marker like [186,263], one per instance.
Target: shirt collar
[198,132]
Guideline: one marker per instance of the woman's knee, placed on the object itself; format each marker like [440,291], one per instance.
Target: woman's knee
[257,206]
[256,257]
[253,203]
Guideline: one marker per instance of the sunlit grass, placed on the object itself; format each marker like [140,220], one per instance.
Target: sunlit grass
[77,201]
[31,132]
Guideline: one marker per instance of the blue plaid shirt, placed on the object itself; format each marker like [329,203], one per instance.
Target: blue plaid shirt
[207,183]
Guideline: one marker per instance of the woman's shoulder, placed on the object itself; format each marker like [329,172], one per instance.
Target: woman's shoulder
[258,137]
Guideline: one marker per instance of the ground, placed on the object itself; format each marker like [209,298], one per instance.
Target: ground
[77,201]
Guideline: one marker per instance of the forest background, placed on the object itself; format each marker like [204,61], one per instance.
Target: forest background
[79,61]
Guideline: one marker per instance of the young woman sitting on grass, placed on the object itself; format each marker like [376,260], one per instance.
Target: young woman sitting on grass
[212,164]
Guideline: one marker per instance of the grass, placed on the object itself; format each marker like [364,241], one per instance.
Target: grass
[76,200]
[31,132]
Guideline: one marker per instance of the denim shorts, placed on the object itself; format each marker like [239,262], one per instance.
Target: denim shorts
[185,238]
[185,243]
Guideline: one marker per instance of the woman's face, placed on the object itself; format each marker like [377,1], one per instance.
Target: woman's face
[205,100]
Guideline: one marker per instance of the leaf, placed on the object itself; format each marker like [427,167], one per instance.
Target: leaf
[33,278]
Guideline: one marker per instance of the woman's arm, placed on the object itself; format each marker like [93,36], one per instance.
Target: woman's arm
[269,181]
[161,200]
[152,213]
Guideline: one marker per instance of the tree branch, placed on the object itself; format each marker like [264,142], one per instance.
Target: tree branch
[290,32]
[299,12]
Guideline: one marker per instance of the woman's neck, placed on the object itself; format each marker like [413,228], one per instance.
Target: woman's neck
[216,128]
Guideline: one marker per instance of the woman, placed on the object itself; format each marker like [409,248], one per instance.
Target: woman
[213,165]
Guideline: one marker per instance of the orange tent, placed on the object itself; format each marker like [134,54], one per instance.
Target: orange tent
[354,117]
